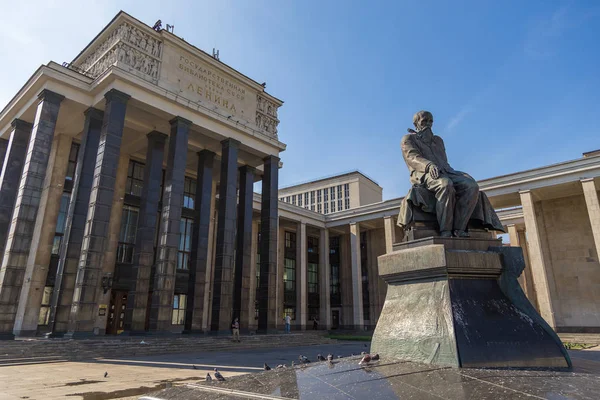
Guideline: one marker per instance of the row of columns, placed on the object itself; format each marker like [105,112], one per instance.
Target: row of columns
[34,168]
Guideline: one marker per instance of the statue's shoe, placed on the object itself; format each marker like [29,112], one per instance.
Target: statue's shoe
[461,234]
[446,234]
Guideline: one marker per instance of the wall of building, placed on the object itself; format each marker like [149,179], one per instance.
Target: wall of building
[574,262]
[369,192]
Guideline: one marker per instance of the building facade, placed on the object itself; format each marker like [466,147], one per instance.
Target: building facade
[127,207]
[335,193]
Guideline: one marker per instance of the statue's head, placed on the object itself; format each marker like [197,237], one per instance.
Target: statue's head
[423,120]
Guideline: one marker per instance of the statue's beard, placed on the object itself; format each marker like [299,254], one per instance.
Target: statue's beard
[424,129]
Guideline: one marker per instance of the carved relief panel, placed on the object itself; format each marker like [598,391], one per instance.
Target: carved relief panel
[266,115]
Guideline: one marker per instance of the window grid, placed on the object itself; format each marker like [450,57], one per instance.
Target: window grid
[326,195]
[339,191]
[73,153]
[332,192]
[306,198]
[179,303]
[313,278]
[291,311]
[189,192]
[185,243]
[346,203]
[326,211]
[339,206]
[319,208]
[135,178]
[299,200]
[333,206]
[347,190]
[294,199]
[319,195]
[129,221]
[312,197]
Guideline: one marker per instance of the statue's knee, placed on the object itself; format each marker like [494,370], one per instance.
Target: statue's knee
[446,183]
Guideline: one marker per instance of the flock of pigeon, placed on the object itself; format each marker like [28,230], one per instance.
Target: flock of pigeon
[366,359]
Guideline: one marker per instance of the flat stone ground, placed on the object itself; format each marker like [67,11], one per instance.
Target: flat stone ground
[132,377]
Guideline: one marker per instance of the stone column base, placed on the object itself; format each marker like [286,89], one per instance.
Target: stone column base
[457,302]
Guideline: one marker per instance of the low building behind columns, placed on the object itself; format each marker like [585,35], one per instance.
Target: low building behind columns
[116,227]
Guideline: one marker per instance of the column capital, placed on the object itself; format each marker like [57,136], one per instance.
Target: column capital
[230,142]
[180,120]
[116,95]
[248,169]
[94,113]
[586,180]
[50,96]
[21,125]
[271,159]
[206,153]
[158,136]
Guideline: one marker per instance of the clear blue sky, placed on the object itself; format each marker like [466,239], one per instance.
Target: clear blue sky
[512,85]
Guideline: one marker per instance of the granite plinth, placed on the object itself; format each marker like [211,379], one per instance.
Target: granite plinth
[457,302]
[393,379]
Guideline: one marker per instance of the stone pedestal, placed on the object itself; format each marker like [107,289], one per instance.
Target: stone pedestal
[457,302]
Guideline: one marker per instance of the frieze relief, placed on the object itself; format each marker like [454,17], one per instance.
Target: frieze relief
[128,45]
[266,115]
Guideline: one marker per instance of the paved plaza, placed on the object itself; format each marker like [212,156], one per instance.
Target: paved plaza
[131,377]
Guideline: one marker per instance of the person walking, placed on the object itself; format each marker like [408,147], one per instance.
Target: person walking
[288,322]
[235,326]
[315,324]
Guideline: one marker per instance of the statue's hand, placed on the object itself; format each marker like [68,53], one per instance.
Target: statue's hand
[434,172]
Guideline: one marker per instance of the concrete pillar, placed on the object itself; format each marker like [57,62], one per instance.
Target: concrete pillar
[222,299]
[593,207]
[194,313]
[528,277]
[267,298]
[27,202]
[253,323]
[301,277]
[95,236]
[36,271]
[324,280]
[539,266]
[243,246]
[103,296]
[3,150]
[143,254]
[279,284]
[210,259]
[62,294]
[390,233]
[357,300]
[161,309]
[513,237]
[11,176]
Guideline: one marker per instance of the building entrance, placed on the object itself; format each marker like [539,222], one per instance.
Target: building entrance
[116,313]
[335,319]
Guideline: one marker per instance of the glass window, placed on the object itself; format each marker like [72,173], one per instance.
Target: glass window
[339,208]
[313,277]
[346,203]
[334,265]
[290,240]
[189,192]
[319,196]
[312,197]
[319,208]
[179,303]
[312,207]
[294,199]
[332,192]
[287,199]
[347,190]
[300,200]
[326,206]
[60,222]
[306,198]
[326,195]
[185,243]
[289,275]
[72,162]
[333,206]
[129,221]
[339,191]
[135,178]
[291,311]
[44,315]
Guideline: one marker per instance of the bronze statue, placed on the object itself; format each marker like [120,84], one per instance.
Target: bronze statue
[455,194]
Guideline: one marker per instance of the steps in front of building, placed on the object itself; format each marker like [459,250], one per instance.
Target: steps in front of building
[45,350]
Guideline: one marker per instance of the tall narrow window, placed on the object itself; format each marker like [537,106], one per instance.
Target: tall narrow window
[44,315]
[339,191]
[179,303]
[72,162]
[287,199]
[319,195]
[339,208]
[300,200]
[346,190]
[364,266]
[306,199]
[60,223]
[129,221]
[319,208]
[326,206]
[312,197]
[334,263]
[325,195]
[185,243]
[332,206]
[346,203]
[332,192]
[135,178]
[189,192]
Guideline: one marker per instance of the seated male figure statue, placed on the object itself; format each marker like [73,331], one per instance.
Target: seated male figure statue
[456,192]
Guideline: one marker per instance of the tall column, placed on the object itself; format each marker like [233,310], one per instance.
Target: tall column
[3,150]
[26,206]
[243,252]
[301,276]
[593,207]
[529,288]
[11,175]
[62,294]
[143,254]
[539,266]
[324,280]
[210,261]
[222,302]
[390,234]
[36,271]
[168,243]
[95,235]
[252,323]
[267,298]
[513,238]
[357,300]
[194,313]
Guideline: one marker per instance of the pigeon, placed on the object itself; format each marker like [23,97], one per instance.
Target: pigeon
[266,367]
[219,376]
[375,357]
[193,366]
[303,359]
[329,357]
[106,374]
[320,357]
[208,378]
[280,366]
[365,360]
[293,364]
[339,356]
[365,345]
[142,342]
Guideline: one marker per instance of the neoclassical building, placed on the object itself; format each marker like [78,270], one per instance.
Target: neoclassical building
[127,207]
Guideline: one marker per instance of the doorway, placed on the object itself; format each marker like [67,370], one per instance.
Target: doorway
[116,312]
[335,319]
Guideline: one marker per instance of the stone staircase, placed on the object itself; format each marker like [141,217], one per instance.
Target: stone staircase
[36,351]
